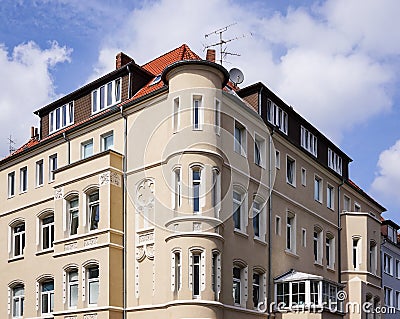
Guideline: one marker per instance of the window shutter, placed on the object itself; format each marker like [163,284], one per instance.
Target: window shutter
[136,278]
[65,215]
[10,239]
[37,296]
[191,271]
[203,271]
[264,287]
[83,283]
[218,274]
[64,287]
[246,279]
[85,209]
[172,271]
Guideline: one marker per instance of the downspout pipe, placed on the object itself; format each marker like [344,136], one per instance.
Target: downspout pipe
[68,147]
[124,202]
[339,234]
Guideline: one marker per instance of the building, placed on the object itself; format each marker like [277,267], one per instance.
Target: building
[391,267]
[165,190]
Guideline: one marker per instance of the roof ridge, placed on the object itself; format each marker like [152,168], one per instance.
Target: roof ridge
[160,56]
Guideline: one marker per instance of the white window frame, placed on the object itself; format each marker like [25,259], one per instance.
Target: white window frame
[200,254]
[49,294]
[330,197]
[241,208]
[177,187]
[308,141]
[357,207]
[71,284]
[71,213]
[277,159]
[356,252]
[83,148]
[373,258]
[258,209]
[346,203]
[216,191]
[318,245]
[47,228]
[65,115]
[318,195]
[303,176]
[176,120]
[39,173]
[334,161]
[277,116]
[52,166]
[18,239]
[176,270]
[197,185]
[217,115]
[23,173]
[18,301]
[259,148]
[291,160]
[92,203]
[290,232]
[96,95]
[197,111]
[11,184]
[216,273]
[103,139]
[242,283]
[90,282]
[304,237]
[240,138]
[387,264]
[330,251]
[278,225]
[388,295]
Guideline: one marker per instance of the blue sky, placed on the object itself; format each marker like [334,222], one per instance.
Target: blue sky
[335,61]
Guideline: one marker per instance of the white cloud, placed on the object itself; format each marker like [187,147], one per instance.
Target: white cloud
[26,85]
[332,60]
[387,182]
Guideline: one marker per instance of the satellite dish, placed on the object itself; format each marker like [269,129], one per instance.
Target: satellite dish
[236,76]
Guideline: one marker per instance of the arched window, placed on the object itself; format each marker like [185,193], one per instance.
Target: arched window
[92,279]
[47,296]
[72,287]
[330,250]
[239,208]
[18,298]
[93,209]
[17,239]
[373,257]
[72,214]
[317,238]
[239,285]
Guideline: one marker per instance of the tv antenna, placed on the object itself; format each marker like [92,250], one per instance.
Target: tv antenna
[222,43]
[11,144]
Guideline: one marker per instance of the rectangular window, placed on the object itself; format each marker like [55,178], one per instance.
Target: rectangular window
[317,246]
[106,96]
[175,118]
[308,141]
[47,232]
[47,297]
[216,273]
[23,179]
[178,270]
[329,245]
[318,189]
[357,207]
[94,210]
[290,234]
[217,115]
[11,184]
[107,141]
[256,219]
[314,292]
[256,289]
[303,176]
[93,284]
[73,216]
[397,268]
[330,198]
[346,203]
[197,117]
[87,149]
[334,161]
[39,173]
[196,275]
[52,166]
[290,171]
[19,239]
[356,253]
[72,289]
[283,294]
[216,191]
[61,117]
[237,285]
[277,159]
[240,139]
[388,264]
[276,116]
[177,188]
[237,210]
[196,179]
[18,299]
[277,225]
[259,151]
[304,237]
[388,296]
[397,305]
[298,293]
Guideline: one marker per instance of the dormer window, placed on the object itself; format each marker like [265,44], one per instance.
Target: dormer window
[156,80]
[334,161]
[107,95]
[61,117]
[276,116]
[308,141]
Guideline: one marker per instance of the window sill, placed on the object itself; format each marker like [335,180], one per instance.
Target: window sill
[12,259]
[318,264]
[291,184]
[318,201]
[260,241]
[291,253]
[9,197]
[330,268]
[244,154]
[331,208]
[259,165]
[240,233]
[39,186]
[23,192]
[44,251]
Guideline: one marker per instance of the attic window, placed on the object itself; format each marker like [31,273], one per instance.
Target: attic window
[61,117]
[156,79]
[106,96]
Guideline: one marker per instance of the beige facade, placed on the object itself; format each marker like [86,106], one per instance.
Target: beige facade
[178,199]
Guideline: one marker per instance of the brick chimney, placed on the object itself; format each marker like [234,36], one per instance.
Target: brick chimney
[122,59]
[210,55]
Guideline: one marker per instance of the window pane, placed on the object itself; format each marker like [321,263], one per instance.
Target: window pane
[109,94]
[102,97]
[73,301]
[117,90]
[93,292]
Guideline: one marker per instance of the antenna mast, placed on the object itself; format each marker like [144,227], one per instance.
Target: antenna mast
[11,144]
[222,43]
